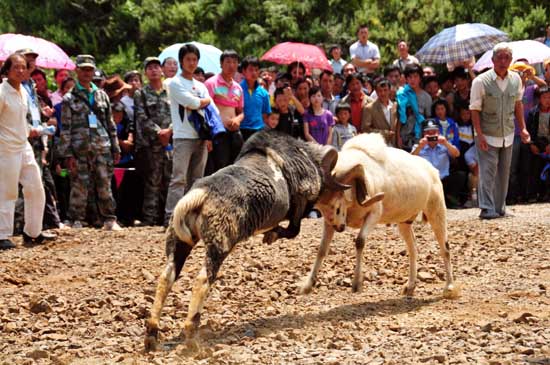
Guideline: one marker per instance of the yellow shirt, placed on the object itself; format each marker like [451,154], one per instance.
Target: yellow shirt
[14,128]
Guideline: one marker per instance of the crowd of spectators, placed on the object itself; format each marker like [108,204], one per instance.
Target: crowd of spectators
[125,148]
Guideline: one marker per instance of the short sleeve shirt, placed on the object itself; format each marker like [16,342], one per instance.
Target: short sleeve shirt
[364,51]
[438,157]
[224,93]
[256,103]
[319,126]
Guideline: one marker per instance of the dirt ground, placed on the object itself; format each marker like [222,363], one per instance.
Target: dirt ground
[84,298]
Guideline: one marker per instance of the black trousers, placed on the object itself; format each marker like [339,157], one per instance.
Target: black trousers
[455,187]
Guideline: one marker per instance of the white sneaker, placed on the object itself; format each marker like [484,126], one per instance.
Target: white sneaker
[77,225]
[111,225]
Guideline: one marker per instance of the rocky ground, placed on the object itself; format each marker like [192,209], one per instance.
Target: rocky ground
[84,298]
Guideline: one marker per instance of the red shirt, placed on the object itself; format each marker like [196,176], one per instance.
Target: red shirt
[356,111]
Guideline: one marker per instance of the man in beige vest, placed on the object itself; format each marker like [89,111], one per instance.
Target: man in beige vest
[380,116]
[494,101]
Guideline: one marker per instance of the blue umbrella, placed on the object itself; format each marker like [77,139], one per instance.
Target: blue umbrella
[210,56]
[460,43]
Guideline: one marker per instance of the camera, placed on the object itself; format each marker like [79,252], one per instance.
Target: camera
[431,138]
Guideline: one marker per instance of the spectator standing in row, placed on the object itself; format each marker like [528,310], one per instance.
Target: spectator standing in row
[495,99]
[343,130]
[17,164]
[228,96]
[404,57]
[364,54]
[413,107]
[538,125]
[89,145]
[290,115]
[132,78]
[256,99]
[318,122]
[380,116]
[153,129]
[356,98]
[190,152]
[59,76]
[327,83]
[337,62]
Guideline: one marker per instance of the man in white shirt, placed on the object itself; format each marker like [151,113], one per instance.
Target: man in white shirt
[364,54]
[337,62]
[17,164]
[494,101]
[190,152]
[404,57]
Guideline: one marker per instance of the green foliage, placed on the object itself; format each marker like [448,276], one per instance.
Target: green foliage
[120,33]
[124,60]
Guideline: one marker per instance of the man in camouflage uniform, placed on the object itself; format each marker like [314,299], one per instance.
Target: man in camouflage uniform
[89,145]
[153,127]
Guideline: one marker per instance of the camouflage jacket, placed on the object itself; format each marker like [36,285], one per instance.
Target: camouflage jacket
[151,114]
[76,136]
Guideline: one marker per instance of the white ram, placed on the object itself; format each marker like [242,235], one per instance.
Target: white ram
[388,186]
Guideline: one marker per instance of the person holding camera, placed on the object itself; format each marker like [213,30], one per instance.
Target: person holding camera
[439,151]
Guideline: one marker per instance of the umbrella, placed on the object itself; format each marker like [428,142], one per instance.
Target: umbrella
[210,55]
[49,54]
[308,54]
[533,51]
[460,43]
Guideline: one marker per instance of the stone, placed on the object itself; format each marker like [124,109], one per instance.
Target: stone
[38,305]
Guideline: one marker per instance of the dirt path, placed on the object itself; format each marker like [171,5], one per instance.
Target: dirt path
[84,298]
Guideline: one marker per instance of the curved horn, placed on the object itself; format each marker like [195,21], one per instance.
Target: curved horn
[328,161]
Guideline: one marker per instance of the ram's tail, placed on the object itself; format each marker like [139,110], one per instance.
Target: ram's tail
[190,201]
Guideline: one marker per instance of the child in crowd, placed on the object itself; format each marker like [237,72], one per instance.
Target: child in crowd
[272,119]
[318,125]
[343,130]
[318,122]
[448,127]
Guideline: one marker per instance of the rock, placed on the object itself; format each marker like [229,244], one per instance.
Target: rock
[425,277]
[487,327]
[440,358]
[525,350]
[38,354]
[147,275]
[38,305]
[523,318]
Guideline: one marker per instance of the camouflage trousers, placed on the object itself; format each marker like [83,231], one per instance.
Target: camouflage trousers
[155,166]
[92,170]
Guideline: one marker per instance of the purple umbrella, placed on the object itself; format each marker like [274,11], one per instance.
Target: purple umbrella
[49,54]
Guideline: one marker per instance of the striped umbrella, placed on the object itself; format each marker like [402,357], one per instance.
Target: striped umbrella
[460,43]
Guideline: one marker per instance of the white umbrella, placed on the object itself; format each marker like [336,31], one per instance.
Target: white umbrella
[532,51]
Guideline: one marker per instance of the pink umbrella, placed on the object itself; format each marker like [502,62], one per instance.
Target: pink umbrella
[49,54]
[532,51]
[308,54]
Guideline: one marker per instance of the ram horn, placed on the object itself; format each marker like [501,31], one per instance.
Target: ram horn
[357,174]
[330,157]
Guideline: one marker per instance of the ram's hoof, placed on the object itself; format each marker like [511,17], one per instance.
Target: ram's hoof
[270,237]
[306,287]
[151,343]
[451,292]
[407,291]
